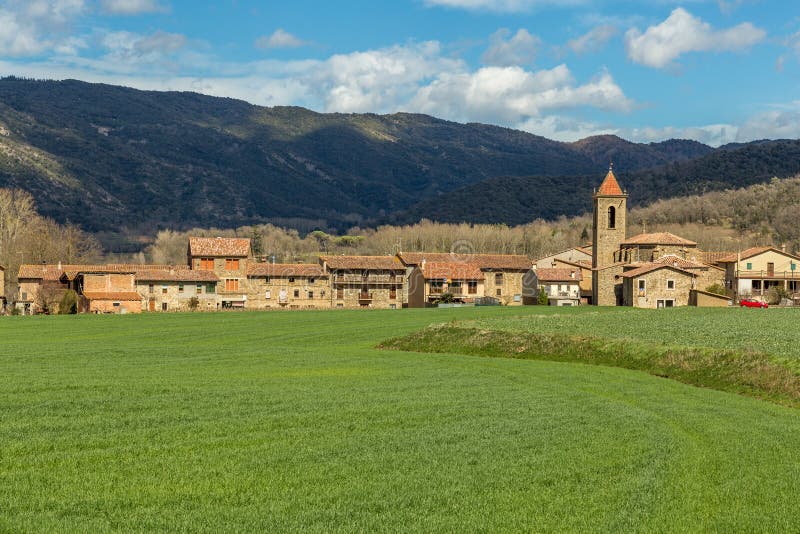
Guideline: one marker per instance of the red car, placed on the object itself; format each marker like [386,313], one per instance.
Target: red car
[751,303]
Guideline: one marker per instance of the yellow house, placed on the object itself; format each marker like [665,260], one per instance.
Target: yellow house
[752,272]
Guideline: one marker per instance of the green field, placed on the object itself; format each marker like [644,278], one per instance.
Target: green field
[295,421]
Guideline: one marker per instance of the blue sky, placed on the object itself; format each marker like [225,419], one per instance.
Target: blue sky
[713,70]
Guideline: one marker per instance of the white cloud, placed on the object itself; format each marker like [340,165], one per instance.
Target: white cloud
[502,6]
[131,7]
[506,49]
[31,27]
[594,40]
[774,124]
[279,39]
[681,33]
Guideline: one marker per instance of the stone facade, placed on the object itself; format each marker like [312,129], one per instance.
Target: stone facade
[228,258]
[658,286]
[172,295]
[365,281]
[2,289]
[287,286]
[609,231]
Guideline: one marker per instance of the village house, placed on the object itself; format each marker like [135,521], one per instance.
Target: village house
[561,285]
[176,289]
[365,281]
[649,247]
[752,272]
[504,275]
[657,285]
[461,282]
[105,289]
[228,258]
[570,255]
[585,269]
[287,286]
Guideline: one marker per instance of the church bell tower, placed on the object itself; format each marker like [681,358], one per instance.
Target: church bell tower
[609,227]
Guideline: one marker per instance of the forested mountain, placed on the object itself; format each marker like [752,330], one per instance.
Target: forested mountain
[114,159]
[519,199]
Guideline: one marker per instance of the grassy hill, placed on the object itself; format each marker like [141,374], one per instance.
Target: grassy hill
[117,159]
[246,422]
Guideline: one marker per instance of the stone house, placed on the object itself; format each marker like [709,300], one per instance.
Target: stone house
[464,281]
[570,255]
[561,285]
[104,289]
[365,281]
[287,286]
[504,275]
[706,275]
[752,272]
[228,258]
[649,247]
[174,288]
[657,285]
[39,287]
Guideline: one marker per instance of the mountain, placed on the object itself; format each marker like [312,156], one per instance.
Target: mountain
[520,199]
[117,159]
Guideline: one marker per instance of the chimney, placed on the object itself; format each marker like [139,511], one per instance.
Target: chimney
[783,247]
[59,265]
[572,274]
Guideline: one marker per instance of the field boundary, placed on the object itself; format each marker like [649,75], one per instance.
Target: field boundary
[745,372]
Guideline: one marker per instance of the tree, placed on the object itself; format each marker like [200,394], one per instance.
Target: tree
[717,289]
[543,299]
[194,302]
[69,303]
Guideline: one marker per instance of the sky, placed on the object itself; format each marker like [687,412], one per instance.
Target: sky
[717,71]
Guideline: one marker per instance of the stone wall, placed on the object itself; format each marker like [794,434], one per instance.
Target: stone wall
[607,286]
[509,290]
[656,288]
[284,292]
[176,296]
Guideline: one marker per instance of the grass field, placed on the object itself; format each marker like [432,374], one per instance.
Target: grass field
[291,421]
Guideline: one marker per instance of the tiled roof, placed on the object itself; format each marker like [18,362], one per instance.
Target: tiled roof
[712,257]
[658,238]
[483,261]
[113,295]
[583,264]
[650,267]
[610,186]
[676,261]
[175,275]
[285,269]
[373,263]
[752,252]
[558,274]
[215,247]
[54,272]
[451,271]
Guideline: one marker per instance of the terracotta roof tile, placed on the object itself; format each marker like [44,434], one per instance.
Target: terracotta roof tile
[713,257]
[483,261]
[373,263]
[650,267]
[752,252]
[658,238]
[175,275]
[677,261]
[285,269]
[216,247]
[52,272]
[113,295]
[610,186]
[558,274]
[451,271]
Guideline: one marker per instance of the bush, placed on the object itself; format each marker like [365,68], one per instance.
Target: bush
[69,303]
[717,289]
[775,294]
[194,302]
[447,298]
[543,299]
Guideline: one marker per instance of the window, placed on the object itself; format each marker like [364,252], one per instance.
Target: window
[793,266]
[472,287]
[291,279]
[642,284]
[211,289]
[392,276]
[266,280]
[757,284]
[268,294]
[180,288]
[24,296]
[498,279]
[116,304]
[296,293]
[499,292]
[311,281]
[670,284]
[151,288]
[392,306]
[612,217]
[749,266]
[437,286]
[164,290]
[232,284]
[393,293]
[310,295]
[206,264]
[339,293]
[340,305]
[199,289]
[231,264]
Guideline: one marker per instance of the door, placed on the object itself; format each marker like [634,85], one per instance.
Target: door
[151,305]
[770,269]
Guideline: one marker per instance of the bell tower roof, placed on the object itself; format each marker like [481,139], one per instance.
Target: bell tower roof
[610,185]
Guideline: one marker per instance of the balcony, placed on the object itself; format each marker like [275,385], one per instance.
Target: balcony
[374,279]
[364,297]
[769,275]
